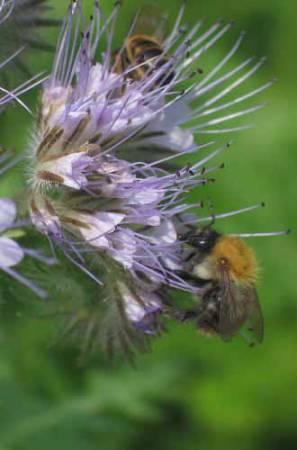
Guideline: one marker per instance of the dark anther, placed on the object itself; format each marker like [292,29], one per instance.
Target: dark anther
[222,166]
[189,169]
[263,204]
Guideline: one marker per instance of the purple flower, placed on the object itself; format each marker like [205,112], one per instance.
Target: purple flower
[11,252]
[100,182]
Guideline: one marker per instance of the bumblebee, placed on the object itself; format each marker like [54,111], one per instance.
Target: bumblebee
[225,269]
[142,53]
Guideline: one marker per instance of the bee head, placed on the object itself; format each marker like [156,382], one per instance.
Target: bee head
[204,239]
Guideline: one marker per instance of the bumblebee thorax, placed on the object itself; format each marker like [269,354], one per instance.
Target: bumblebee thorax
[234,256]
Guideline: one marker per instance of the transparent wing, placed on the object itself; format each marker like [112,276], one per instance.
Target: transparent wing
[253,330]
[150,20]
[233,311]
[240,311]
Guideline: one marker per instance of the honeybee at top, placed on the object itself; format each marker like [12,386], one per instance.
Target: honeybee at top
[143,51]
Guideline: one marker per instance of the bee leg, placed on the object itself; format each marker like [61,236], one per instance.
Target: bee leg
[185,316]
[198,282]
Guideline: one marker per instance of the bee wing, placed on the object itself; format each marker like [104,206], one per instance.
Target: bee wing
[240,306]
[253,330]
[150,20]
[233,311]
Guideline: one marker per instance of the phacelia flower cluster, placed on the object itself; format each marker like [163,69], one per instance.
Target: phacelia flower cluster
[105,181]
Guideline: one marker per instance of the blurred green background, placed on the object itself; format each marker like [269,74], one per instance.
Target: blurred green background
[190,392]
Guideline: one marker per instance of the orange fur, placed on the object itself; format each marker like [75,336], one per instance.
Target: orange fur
[240,259]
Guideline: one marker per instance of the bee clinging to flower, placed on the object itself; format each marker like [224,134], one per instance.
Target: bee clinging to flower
[101,182]
[225,267]
[143,53]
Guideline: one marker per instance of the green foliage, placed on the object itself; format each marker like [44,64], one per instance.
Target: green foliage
[190,392]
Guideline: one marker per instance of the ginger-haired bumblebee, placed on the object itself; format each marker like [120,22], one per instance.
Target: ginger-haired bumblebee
[225,268]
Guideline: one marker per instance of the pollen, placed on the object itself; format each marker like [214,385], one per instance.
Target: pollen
[239,259]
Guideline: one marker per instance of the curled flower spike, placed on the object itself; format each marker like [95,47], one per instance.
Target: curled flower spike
[100,182]
[7,96]
[20,23]
[11,252]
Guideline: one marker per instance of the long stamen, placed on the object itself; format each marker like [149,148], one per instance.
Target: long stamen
[29,284]
[264,234]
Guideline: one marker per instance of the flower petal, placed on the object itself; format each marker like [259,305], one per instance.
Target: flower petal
[7,213]
[10,252]
[124,247]
[69,168]
[98,225]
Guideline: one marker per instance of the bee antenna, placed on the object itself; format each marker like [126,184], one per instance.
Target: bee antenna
[212,214]
[213,219]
